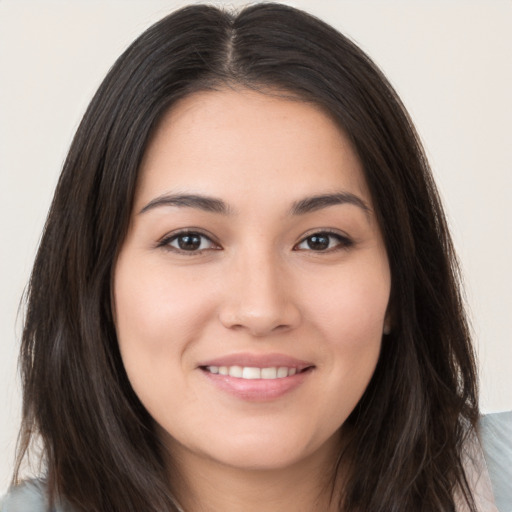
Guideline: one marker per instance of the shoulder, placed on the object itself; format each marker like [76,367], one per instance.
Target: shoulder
[30,496]
[477,476]
[496,438]
[488,463]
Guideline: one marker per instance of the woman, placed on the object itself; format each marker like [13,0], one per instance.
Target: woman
[246,295]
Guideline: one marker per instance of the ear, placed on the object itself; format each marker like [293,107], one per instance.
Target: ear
[387,324]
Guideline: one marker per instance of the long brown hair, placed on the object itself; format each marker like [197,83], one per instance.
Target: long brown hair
[100,450]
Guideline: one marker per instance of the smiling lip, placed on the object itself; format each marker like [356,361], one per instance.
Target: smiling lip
[257,389]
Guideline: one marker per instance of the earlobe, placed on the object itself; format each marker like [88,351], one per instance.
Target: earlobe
[387,326]
[113,302]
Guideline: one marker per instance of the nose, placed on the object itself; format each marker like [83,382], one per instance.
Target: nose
[258,297]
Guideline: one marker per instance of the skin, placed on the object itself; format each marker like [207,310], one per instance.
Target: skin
[255,286]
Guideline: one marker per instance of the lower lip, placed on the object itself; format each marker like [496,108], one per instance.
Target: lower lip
[257,390]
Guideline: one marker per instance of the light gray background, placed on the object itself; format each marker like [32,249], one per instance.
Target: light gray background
[451,62]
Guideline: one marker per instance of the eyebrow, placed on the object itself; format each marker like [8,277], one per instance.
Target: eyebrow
[314,203]
[208,204]
[214,205]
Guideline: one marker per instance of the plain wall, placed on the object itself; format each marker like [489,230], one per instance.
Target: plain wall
[451,62]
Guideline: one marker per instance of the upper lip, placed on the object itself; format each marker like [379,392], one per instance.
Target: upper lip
[257,361]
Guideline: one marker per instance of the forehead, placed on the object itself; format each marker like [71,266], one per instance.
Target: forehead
[262,143]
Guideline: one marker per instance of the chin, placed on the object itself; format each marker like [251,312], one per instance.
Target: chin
[258,459]
[271,452]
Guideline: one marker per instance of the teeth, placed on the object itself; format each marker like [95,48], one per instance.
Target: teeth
[282,371]
[269,373]
[251,373]
[248,372]
[236,371]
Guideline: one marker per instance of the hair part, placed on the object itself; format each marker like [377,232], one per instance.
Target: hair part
[100,449]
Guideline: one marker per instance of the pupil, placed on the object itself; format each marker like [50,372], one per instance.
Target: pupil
[189,242]
[318,242]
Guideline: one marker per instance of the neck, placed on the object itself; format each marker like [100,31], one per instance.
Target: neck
[203,485]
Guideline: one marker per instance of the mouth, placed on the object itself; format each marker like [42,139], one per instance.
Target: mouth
[254,372]
[257,377]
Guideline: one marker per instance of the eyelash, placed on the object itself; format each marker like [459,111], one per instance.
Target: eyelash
[166,242]
[342,242]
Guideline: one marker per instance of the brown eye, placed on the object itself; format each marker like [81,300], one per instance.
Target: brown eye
[318,242]
[188,242]
[323,242]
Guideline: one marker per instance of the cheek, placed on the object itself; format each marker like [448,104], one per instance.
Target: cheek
[349,310]
[153,305]
[158,315]
[350,306]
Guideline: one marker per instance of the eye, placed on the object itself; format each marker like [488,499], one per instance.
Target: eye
[188,241]
[324,241]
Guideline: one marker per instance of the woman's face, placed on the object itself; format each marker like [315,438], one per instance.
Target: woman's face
[251,290]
